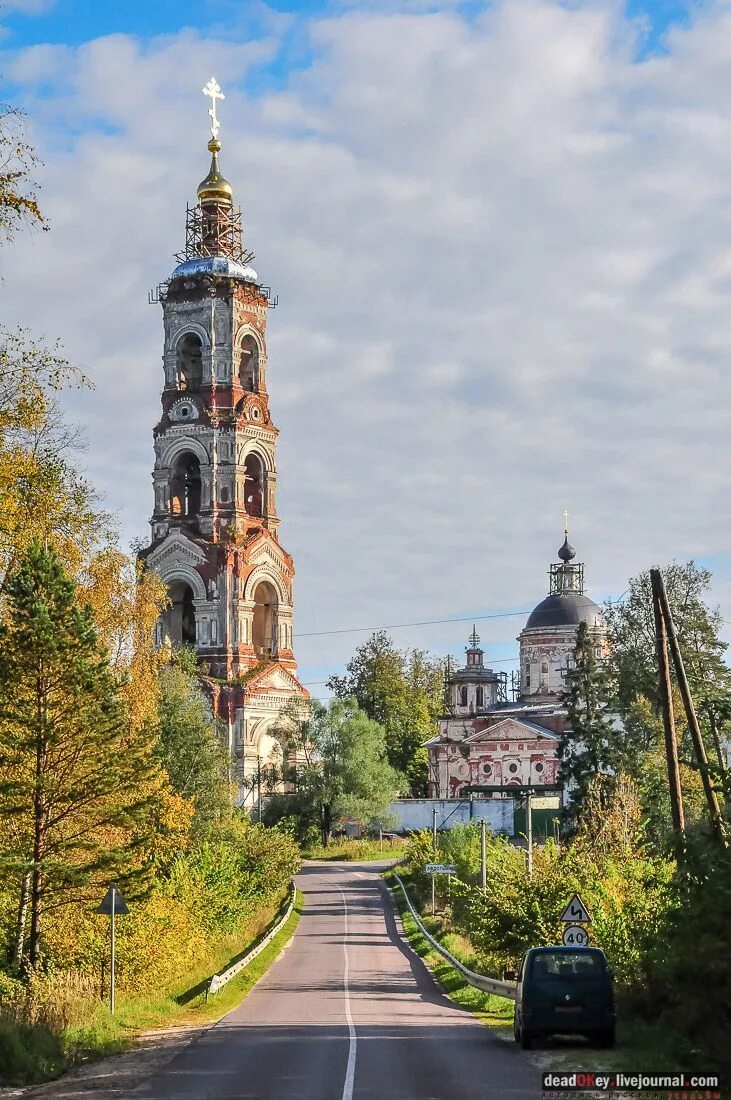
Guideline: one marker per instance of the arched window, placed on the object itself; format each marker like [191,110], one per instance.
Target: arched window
[254,485]
[179,618]
[264,633]
[249,364]
[189,362]
[480,697]
[463,697]
[185,486]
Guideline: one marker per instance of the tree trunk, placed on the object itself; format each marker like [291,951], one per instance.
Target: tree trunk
[36,892]
[22,919]
[327,824]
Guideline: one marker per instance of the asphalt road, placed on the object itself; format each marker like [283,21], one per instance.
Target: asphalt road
[348,1012]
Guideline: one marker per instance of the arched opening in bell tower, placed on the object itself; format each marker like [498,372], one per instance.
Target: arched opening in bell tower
[185,486]
[264,630]
[254,485]
[249,364]
[179,619]
[189,362]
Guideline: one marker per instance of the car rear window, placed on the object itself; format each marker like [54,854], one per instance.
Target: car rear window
[567,965]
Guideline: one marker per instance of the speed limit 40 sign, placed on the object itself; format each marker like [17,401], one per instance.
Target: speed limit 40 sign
[575,936]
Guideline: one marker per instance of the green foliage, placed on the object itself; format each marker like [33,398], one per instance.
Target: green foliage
[359,850]
[593,744]
[190,745]
[335,760]
[688,968]
[631,628]
[404,692]
[73,785]
[626,890]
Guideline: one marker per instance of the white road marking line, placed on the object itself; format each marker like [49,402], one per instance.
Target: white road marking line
[353,1046]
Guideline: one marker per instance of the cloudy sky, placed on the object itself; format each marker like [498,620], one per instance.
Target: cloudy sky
[501,239]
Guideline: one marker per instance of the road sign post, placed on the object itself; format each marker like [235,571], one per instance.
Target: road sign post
[112,903]
[434,846]
[483,859]
[529,830]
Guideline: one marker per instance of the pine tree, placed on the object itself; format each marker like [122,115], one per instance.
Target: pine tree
[75,785]
[591,747]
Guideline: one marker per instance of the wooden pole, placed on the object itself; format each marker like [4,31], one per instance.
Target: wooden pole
[483,856]
[695,729]
[666,703]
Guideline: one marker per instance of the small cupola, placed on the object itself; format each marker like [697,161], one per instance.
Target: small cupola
[475,655]
[215,188]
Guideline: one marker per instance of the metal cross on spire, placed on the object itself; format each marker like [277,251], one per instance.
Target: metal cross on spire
[474,638]
[213,90]
[565,521]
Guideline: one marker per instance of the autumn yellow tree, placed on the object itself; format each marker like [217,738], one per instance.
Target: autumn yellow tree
[18,203]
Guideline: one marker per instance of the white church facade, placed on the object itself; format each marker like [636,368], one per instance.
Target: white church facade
[486,741]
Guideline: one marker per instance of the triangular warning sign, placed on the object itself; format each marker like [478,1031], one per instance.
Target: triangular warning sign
[120,905]
[576,912]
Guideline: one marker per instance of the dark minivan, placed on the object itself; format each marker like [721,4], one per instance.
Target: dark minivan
[564,991]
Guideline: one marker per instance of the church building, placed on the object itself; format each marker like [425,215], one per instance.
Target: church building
[484,739]
[215,528]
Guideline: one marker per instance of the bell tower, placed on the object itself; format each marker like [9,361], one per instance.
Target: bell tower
[215,539]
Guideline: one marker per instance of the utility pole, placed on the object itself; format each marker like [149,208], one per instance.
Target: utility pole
[483,859]
[666,703]
[529,830]
[695,729]
[434,845]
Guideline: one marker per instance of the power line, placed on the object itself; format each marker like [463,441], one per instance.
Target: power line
[500,661]
[426,622]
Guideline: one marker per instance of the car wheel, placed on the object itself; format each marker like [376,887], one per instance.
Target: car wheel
[516,1029]
[526,1039]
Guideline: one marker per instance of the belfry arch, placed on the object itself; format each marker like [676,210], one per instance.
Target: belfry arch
[179,618]
[185,486]
[249,364]
[264,627]
[254,485]
[189,362]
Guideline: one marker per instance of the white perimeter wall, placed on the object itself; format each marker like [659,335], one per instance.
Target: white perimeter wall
[416,813]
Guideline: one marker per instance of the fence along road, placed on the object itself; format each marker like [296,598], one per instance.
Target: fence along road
[348,1011]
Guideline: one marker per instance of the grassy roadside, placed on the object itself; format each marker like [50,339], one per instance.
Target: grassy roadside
[186,1006]
[642,1047]
[360,851]
[495,1012]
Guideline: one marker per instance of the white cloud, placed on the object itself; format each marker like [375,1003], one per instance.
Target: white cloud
[502,253]
[26,7]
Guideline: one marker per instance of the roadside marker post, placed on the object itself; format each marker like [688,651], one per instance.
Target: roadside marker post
[112,903]
[434,846]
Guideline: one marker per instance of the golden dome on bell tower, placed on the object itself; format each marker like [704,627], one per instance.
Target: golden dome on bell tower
[215,188]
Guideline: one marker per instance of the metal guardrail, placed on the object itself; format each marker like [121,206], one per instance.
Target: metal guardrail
[489,985]
[218,981]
